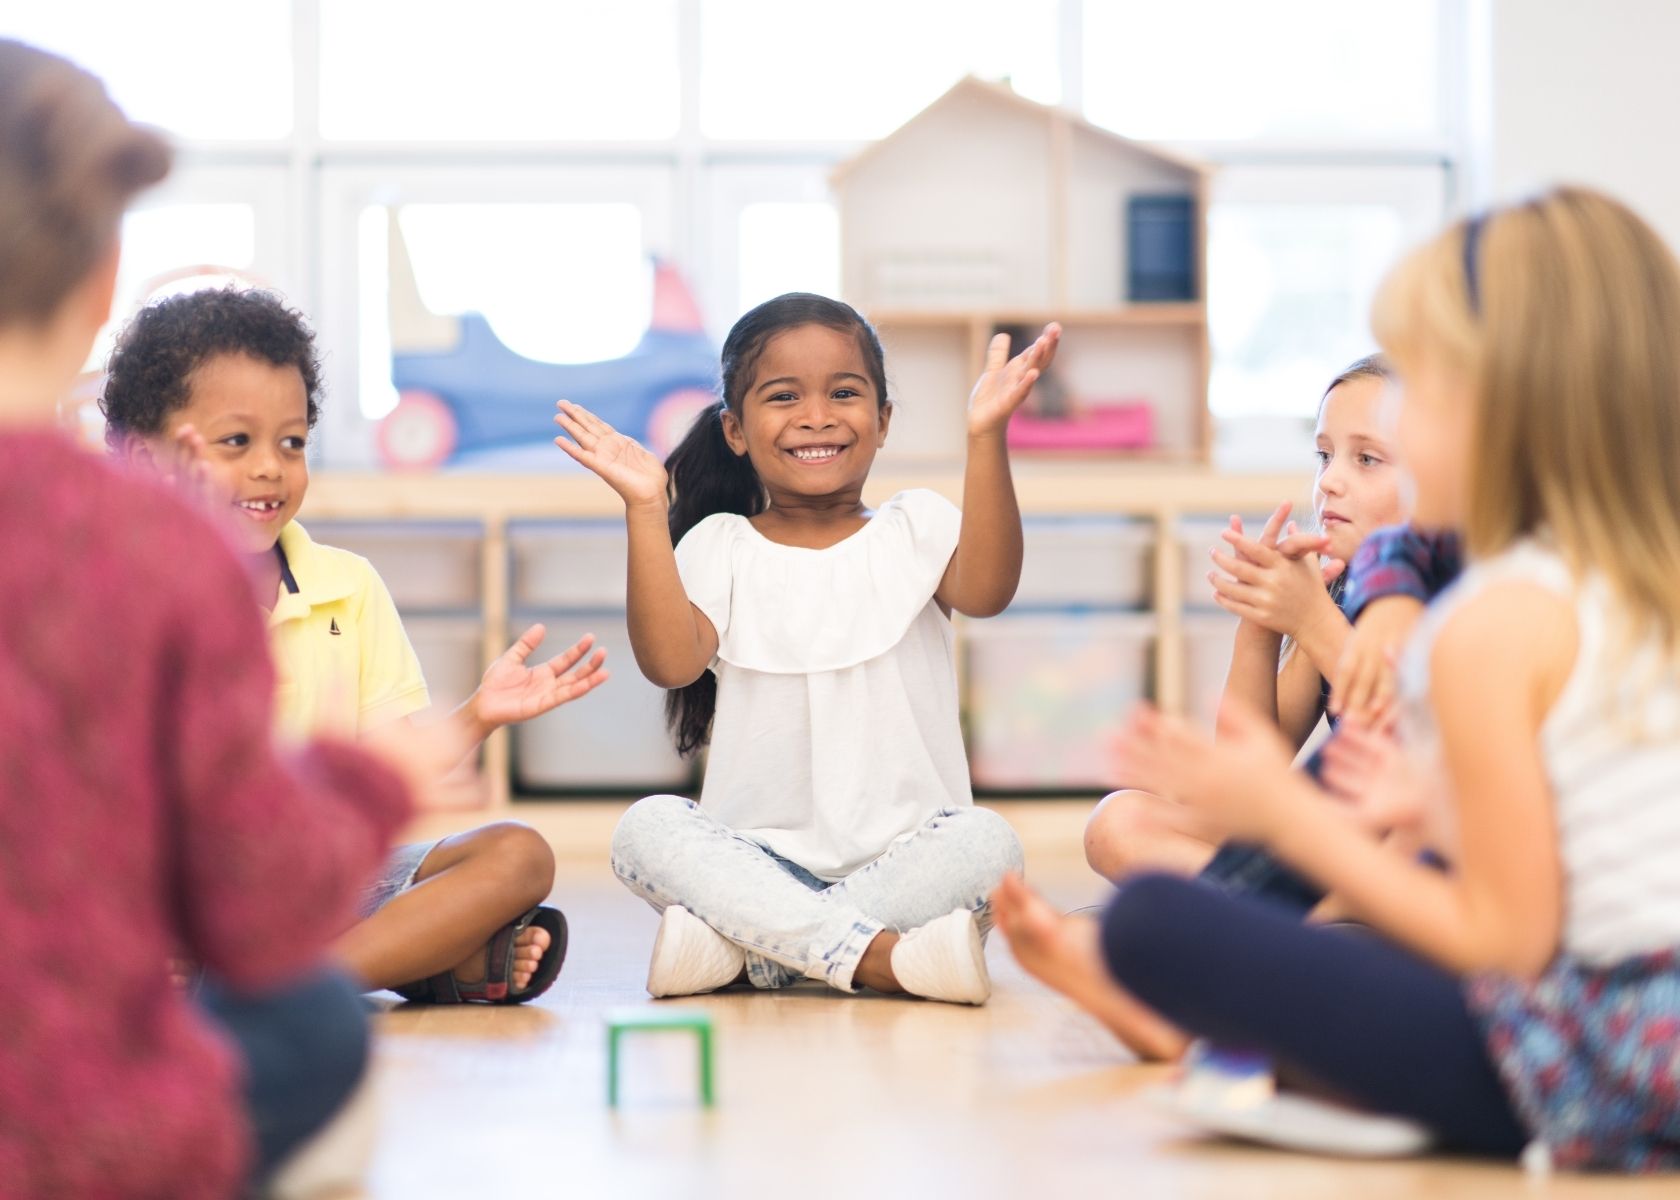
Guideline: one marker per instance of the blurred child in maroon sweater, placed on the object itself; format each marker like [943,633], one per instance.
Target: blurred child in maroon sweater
[143,811]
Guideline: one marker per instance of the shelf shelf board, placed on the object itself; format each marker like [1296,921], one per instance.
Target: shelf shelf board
[1183,314]
[1137,484]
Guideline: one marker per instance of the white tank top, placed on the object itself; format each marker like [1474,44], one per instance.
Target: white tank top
[1611,749]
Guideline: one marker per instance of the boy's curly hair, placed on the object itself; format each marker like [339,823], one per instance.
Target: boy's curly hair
[152,365]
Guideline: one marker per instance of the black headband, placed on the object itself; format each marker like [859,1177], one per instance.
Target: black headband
[1472,277]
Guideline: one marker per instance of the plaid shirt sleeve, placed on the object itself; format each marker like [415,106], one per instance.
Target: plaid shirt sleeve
[1400,561]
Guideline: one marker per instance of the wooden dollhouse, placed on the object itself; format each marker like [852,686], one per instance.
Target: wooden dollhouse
[989,211]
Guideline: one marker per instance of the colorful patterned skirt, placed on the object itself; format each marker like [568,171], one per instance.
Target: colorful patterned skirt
[1591,1058]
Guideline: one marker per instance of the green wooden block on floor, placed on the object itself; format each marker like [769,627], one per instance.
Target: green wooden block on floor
[656,1019]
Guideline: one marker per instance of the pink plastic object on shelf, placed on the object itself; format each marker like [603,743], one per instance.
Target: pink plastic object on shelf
[1129,426]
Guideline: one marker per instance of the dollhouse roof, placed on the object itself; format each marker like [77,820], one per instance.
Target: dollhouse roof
[970,88]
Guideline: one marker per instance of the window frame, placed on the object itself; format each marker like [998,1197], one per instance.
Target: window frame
[309,191]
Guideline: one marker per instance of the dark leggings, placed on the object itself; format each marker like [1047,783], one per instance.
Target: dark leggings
[1344,1009]
[305,1048]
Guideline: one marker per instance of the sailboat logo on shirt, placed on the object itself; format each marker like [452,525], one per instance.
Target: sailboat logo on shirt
[333,628]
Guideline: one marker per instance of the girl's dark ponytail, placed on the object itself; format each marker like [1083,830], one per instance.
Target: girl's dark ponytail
[707,477]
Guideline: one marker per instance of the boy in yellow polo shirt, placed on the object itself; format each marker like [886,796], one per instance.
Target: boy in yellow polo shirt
[219,390]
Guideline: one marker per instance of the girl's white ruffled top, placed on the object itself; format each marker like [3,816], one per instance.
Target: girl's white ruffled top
[836,731]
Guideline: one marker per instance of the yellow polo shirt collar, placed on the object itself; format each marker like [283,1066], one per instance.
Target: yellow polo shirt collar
[341,657]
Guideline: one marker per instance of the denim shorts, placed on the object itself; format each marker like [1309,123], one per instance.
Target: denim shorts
[395,877]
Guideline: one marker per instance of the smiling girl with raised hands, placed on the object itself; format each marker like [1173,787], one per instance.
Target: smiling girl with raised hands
[807,638]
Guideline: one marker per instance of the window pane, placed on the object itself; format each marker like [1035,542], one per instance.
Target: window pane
[504,69]
[173,248]
[1228,69]
[1294,258]
[789,248]
[556,283]
[1291,291]
[198,68]
[774,69]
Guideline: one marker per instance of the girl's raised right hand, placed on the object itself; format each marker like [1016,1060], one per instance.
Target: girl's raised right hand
[624,463]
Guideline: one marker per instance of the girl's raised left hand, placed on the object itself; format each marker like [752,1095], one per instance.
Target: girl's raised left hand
[627,466]
[1007,382]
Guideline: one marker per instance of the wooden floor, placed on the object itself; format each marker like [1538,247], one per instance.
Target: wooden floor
[821,1095]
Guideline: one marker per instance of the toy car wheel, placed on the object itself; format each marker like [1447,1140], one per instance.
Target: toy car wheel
[419,432]
[672,415]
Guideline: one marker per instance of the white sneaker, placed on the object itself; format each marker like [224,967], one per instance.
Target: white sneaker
[944,960]
[690,957]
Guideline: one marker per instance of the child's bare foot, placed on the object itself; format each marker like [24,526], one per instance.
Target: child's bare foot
[529,946]
[1062,953]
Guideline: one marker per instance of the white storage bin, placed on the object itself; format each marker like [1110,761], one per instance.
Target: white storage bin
[451,653]
[429,566]
[568,564]
[1047,693]
[613,739]
[1207,640]
[1198,535]
[1086,562]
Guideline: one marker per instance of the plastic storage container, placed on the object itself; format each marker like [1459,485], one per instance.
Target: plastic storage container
[1047,693]
[1207,641]
[568,564]
[451,653]
[613,739]
[429,566]
[1085,562]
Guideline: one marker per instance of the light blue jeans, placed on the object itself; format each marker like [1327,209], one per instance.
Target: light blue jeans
[668,851]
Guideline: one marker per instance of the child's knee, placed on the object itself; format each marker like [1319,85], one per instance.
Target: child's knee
[523,858]
[645,824]
[1113,834]
[992,841]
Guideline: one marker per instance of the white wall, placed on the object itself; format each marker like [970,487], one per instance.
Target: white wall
[1586,92]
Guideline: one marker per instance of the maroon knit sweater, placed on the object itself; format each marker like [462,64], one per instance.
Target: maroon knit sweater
[144,813]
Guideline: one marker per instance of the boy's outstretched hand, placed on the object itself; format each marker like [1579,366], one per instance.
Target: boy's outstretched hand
[512,691]
[1007,382]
